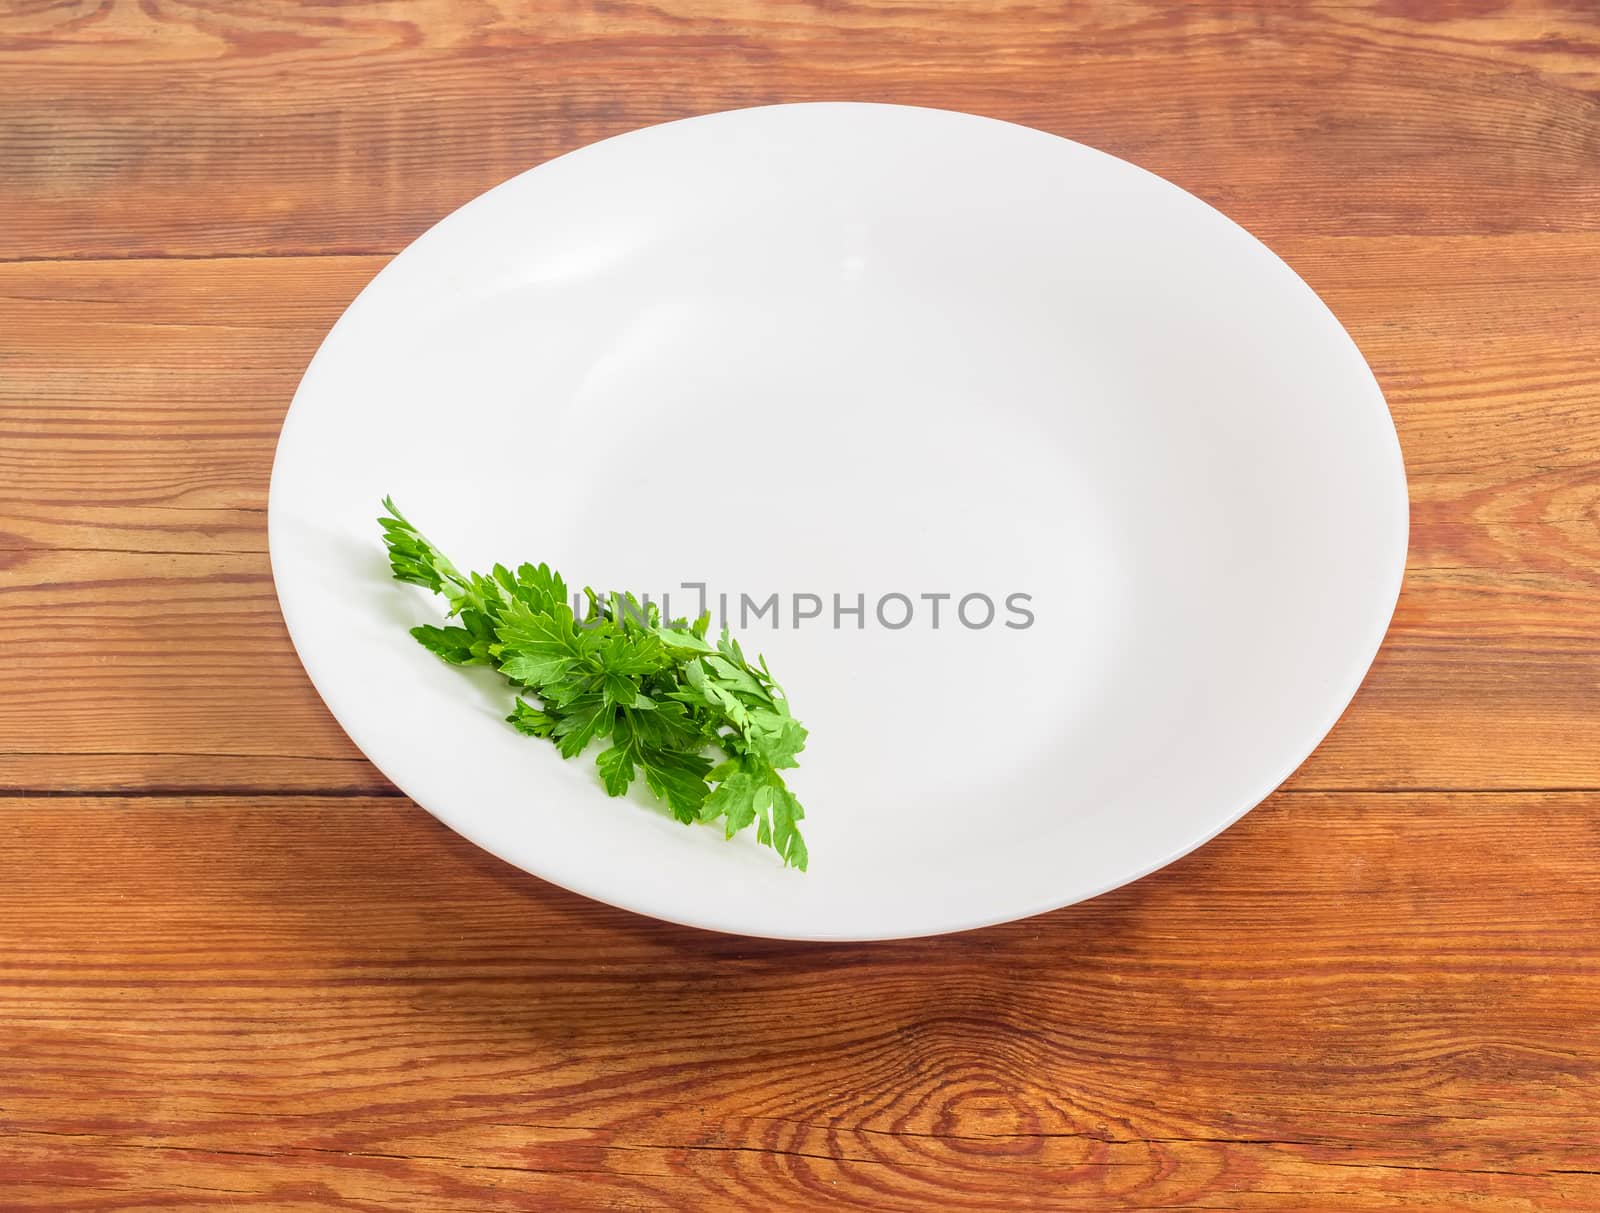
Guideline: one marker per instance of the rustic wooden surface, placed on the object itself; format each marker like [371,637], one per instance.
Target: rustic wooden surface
[238,971]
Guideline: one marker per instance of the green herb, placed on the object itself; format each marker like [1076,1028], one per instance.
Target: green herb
[661,694]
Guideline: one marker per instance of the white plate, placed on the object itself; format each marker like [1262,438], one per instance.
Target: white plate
[861,350]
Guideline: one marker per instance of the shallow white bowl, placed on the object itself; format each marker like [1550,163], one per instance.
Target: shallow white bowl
[861,350]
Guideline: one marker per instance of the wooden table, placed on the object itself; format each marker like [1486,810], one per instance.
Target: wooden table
[239,971]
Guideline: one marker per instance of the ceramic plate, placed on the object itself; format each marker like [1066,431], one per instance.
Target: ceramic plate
[1067,514]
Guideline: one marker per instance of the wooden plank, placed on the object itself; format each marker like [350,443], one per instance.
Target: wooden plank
[140,401]
[167,129]
[1363,1002]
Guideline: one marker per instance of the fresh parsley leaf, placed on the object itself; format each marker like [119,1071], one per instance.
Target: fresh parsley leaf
[452,644]
[735,801]
[531,720]
[583,720]
[616,769]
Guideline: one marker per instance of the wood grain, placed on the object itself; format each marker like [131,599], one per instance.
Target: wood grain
[310,1004]
[179,128]
[238,970]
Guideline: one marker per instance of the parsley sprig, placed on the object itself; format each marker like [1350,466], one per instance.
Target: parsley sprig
[661,693]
